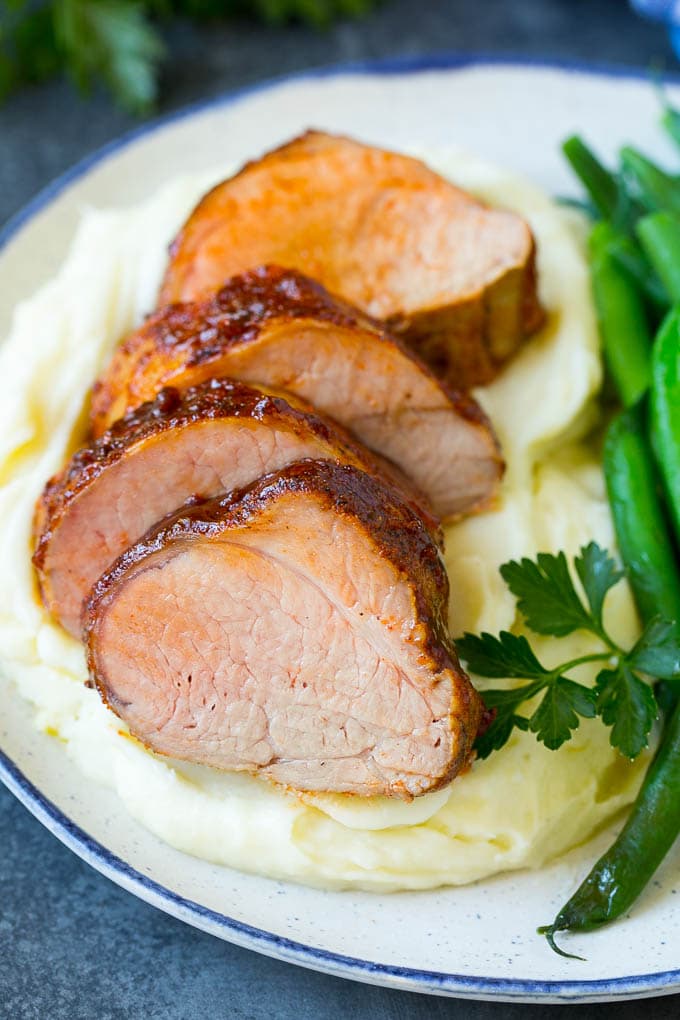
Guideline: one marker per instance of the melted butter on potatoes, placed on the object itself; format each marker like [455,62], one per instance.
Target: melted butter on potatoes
[519,808]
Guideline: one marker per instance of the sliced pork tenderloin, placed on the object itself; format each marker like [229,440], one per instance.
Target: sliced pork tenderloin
[203,442]
[385,232]
[295,630]
[278,328]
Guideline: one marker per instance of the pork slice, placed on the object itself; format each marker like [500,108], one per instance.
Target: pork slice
[278,328]
[295,630]
[209,439]
[403,244]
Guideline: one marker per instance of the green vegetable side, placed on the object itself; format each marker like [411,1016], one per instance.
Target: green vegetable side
[120,42]
[635,269]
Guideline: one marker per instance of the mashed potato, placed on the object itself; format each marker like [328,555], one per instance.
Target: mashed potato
[519,808]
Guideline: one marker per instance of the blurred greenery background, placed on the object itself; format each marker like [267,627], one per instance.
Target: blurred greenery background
[120,43]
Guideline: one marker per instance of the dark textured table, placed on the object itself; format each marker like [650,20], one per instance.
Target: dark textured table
[72,945]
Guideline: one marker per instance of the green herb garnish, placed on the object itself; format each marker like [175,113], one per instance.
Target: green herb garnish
[550,604]
[119,42]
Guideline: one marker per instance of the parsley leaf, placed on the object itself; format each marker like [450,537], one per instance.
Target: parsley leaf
[598,573]
[27,51]
[505,719]
[504,700]
[117,41]
[111,38]
[507,655]
[557,716]
[546,596]
[627,704]
[657,652]
[550,604]
[498,733]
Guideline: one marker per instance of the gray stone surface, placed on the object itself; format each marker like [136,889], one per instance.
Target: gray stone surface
[72,945]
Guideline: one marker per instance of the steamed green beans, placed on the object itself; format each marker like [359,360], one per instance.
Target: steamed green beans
[645,245]
[622,318]
[654,188]
[630,258]
[670,121]
[665,411]
[600,184]
[639,518]
[641,527]
[659,236]
[622,872]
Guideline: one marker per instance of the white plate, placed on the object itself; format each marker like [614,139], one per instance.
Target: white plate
[477,942]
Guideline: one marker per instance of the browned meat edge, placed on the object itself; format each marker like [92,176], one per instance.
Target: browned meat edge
[239,312]
[174,409]
[395,529]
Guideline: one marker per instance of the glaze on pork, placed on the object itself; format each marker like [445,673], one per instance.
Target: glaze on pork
[203,442]
[278,328]
[295,630]
[382,230]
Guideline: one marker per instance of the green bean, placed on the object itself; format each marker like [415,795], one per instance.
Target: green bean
[659,235]
[656,189]
[601,185]
[665,411]
[622,319]
[635,496]
[628,255]
[639,519]
[623,871]
[670,120]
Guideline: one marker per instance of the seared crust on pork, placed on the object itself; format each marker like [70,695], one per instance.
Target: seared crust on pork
[278,328]
[397,240]
[226,637]
[197,444]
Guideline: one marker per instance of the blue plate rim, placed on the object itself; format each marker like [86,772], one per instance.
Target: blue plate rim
[117,870]
[251,937]
[405,64]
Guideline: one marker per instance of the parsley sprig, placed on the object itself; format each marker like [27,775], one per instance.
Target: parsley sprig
[120,43]
[550,604]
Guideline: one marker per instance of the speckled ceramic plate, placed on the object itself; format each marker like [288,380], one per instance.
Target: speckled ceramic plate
[479,941]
